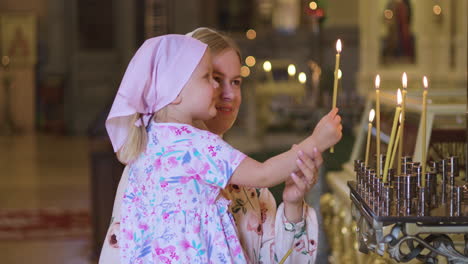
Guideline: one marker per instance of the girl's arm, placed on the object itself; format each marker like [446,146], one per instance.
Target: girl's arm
[267,174]
[278,168]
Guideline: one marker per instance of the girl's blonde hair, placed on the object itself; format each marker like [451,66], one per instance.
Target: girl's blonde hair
[216,41]
[137,137]
[136,141]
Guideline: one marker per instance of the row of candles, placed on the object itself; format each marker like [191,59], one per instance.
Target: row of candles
[396,135]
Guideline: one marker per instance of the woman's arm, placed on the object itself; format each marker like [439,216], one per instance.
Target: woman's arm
[110,253]
[299,184]
[291,233]
[291,242]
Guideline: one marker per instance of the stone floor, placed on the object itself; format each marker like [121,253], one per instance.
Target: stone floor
[44,172]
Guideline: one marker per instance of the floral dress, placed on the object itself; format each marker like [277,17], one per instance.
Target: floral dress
[171,210]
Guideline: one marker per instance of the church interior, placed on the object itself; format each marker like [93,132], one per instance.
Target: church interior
[62,63]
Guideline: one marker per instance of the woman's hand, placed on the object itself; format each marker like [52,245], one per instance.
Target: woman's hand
[328,131]
[113,235]
[300,183]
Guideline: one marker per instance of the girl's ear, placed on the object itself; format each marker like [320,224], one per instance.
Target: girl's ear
[178,100]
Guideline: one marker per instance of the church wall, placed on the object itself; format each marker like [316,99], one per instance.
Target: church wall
[342,14]
[93,76]
[22,98]
[439,46]
[343,22]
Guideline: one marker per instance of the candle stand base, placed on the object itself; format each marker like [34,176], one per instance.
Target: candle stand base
[406,234]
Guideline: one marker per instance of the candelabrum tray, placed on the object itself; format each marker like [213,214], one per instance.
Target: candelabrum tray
[405,233]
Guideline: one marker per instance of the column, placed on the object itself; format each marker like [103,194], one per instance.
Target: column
[185,16]
[56,59]
[422,24]
[442,39]
[369,43]
[461,40]
[125,31]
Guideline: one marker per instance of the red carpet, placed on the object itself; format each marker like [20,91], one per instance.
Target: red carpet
[16,224]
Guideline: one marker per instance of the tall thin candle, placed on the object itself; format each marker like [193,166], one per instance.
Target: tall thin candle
[392,135]
[404,82]
[423,145]
[335,82]
[369,132]
[398,135]
[377,123]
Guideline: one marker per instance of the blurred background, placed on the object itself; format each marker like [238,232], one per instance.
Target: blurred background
[62,62]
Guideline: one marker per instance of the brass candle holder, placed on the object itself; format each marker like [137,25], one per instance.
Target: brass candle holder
[418,214]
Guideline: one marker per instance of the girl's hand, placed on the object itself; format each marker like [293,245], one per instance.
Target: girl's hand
[328,130]
[303,180]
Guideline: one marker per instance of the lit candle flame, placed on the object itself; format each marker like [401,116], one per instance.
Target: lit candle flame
[399,97]
[404,80]
[377,81]
[371,115]
[338,46]
[425,82]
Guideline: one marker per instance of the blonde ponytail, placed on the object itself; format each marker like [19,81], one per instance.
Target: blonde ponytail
[135,143]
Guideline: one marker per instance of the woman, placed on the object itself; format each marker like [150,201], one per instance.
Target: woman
[267,233]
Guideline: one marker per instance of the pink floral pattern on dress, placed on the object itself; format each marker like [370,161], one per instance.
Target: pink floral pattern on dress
[172,211]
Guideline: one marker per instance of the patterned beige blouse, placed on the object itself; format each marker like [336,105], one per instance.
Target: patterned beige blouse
[264,231]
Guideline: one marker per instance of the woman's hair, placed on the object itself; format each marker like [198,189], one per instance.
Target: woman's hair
[137,137]
[216,41]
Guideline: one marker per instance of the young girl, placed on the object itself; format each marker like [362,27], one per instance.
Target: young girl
[171,210]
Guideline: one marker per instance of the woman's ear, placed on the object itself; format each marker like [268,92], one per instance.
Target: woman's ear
[178,100]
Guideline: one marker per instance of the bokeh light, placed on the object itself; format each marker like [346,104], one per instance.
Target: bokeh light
[291,69]
[313,5]
[245,71]
[437,9]
[250,61]
[267,66]
[251,34]
[302,77]
[388,14]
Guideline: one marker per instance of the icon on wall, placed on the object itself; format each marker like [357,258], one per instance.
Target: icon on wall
[398,42]
[18,38]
